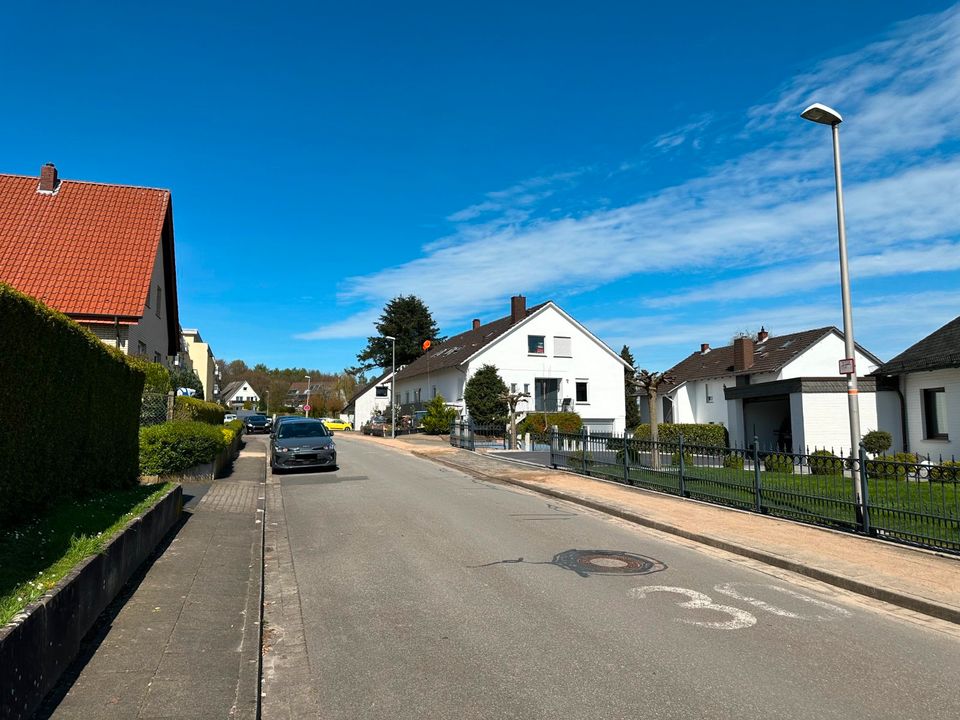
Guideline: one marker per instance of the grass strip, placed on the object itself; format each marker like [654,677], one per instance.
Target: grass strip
[34,556]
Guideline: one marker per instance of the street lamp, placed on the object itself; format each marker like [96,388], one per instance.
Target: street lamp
[306,402]
[393,379]
[828,116]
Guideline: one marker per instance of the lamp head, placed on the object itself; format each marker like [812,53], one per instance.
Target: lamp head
[389,337]
[821,114]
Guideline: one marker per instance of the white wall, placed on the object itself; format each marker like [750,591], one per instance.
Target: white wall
[913,385]
[108,333]
[368,404]
[826,419]
[243,394]
[448,382]
[589,360]
[152,330]
[822,360]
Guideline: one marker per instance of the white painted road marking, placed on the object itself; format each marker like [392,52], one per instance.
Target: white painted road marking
[831,611]
[698,601]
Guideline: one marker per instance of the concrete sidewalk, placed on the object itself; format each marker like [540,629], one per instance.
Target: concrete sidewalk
[919,580]
[186,642]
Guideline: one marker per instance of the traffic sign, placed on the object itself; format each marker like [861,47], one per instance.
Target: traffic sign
[847,366]
[306,408]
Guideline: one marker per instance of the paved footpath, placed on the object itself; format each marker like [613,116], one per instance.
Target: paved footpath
[186,642]
[921,581]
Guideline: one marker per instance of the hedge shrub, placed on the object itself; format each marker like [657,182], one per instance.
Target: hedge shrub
[693,433]
[824,462]
[778,463]
[438,418]
[173,447]
[893,467]
[566,422]
[877,441]
[69,409]
[157,377]
[733,461]
[188,408]
[687,458]
[947,471]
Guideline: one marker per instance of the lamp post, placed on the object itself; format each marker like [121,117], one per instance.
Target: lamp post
[393,380]
[828,116]
[306,403]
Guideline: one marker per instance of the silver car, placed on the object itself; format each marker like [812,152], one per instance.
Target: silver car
[302,442]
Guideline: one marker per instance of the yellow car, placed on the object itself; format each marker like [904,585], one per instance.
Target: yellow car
[333,424]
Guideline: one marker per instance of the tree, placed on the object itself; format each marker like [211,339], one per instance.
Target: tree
[512,400]
[438,418]
[181,377]
[649,383]
[484,396]
[630,389]
[406,318]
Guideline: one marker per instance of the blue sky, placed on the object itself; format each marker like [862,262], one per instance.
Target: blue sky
[643,166]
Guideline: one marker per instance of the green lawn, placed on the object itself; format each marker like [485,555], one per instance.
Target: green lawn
[36,555]
[927,512]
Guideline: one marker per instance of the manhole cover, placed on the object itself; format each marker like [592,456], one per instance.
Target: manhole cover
[607,562]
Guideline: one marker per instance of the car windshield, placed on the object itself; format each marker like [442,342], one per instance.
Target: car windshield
[302,429]
[256,418]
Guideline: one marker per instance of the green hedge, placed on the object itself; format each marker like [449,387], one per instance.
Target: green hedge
[824,462]
[69,409]
[173,447]
[188,408]
[693,434]
[566,422]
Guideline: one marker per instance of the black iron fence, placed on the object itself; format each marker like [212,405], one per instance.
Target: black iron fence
[902,497]
[469,435]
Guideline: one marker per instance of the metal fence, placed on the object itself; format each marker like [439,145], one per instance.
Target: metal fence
[154,409]
[904,498]
[469,435]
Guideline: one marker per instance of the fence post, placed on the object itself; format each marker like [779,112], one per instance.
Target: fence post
[626,460]
[553,445]
[471,435]
[583,450]
[683,485]
[170,404]
[757,497]
[864,489]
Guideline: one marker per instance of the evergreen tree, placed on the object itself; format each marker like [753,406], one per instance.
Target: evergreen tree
[485,396]
[630,389]
[409,320]
[438,418]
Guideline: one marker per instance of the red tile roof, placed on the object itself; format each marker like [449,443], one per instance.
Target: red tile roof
[86,249]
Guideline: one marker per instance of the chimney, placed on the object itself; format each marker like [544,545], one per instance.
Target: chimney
[704,348]
[762,335]
[742,354]
[48,178]
[518,309]
[476,324]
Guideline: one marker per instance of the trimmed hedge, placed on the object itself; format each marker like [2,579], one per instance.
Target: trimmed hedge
[157,376]
[188,408]
[824,462]
[176,446]
[693,433]
[877,441]
[69,409]
[778,463]
[566,422]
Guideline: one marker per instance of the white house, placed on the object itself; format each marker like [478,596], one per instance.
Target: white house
[372,399]
[541,350]
[101,254]
[237,393]
[785,390]
[927,375]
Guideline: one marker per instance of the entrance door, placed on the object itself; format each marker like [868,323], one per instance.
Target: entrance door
[547,392]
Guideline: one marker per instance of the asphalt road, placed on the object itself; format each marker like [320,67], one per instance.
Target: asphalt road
[429,594]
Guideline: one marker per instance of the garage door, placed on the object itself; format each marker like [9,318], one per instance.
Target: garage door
[603,425]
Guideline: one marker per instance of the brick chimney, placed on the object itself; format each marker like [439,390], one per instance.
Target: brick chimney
[518,309]
[762,335]
[742,354]
[476,324]
[704,348]
[48,178]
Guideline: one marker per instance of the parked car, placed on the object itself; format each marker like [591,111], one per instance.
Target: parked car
[282,419]
[302,442]
[335,424]
[256,423]
[229,417]
[374,426]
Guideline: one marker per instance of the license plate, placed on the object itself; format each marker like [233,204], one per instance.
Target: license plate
[307,457]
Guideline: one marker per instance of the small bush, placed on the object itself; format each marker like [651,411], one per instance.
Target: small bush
[733,461]
[173,447]
[778,463]
[877,441]
[188,408]
[824,462]
[947,471]
[893,467]
[438,418]
[687,458]
[157,376]
[693,433]
[235,425]
[566,422]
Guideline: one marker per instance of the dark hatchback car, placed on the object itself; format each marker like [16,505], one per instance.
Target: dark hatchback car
[302,443]
[256,423]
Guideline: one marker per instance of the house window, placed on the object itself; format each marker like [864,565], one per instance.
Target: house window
[382,390]
[582,391]
[406,397]
[547,394]
[562,347]
[706,393]
[513,388]
[935,414]
[159,291]
[141,348]
[526,388]
[535,344]
[433,391]
[156,357]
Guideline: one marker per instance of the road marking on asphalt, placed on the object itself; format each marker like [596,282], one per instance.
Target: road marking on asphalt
[698,601]
[831,611]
